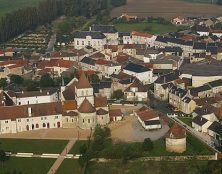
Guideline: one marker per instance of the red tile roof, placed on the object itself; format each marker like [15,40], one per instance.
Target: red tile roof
[83,82]
[147,114]
[86,107]
[100,101]
[115,112]
[135,33]
[102,62]
[176,132]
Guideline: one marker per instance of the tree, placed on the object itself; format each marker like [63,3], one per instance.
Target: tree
[3,82]
[46,81]
[16,79]
[3,156]
[94,78]
[118,94]
[147,144]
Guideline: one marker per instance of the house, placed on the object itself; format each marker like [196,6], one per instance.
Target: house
[145,75]
[143,38]
[127,17]
[88,63]
[95,39]
[203,30]
[200,124]
[125,38]
[121,81]
[214,130]
[107,68]
[34,97]
[136,92]
[148,118]
[115,115]
[203,118]
[57,66]
[21,118]
[162,85]
[103,88]
[217,33]
[179,20]
[109,31]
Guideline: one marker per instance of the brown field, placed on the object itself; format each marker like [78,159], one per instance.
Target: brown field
[167,9]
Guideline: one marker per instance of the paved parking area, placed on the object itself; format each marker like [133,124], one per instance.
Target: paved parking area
[130,130]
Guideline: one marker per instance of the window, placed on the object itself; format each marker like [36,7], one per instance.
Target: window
[42,118]
[27,120]
[77,42]
[83,120]
[72,120]
[6,121]
[82,92]
[88,120]
[86,92]
[56,117]
[82,42]
[88,42]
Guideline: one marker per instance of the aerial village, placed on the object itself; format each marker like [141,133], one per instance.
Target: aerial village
[175,76]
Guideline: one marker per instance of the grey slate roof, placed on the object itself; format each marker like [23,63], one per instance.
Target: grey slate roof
[216,83]
[88,60]
[152,122]
[212,68]
[199,120]
[168,77]
[216,127]
[136,68]
[195,91]
[104,28]
[93,34]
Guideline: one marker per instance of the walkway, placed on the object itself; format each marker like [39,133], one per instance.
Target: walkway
[60,159]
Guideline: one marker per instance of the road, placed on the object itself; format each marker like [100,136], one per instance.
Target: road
[51,43]
[163,108]
[60,159]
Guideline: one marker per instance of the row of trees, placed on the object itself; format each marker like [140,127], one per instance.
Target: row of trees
[17,22]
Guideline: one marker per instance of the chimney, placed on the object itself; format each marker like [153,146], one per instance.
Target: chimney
[29,111]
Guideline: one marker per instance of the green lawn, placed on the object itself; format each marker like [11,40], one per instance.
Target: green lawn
[10,5]
[186,120]
[76,146]
[200,1]
[33,146]
[194,147]
[26,166]
[148,167]
[69,166]
[155,28]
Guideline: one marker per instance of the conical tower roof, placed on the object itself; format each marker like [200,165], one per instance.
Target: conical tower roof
[83,82]
[86,107]
[176,132]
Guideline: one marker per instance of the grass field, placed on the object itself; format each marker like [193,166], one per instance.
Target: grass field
[141,27]
[26,166]
[186,120]
[69,166]
[76,146]
[32,146]
[10,5]
[148,167]
[167,8]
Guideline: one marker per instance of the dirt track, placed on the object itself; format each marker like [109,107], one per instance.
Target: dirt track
[167,8]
